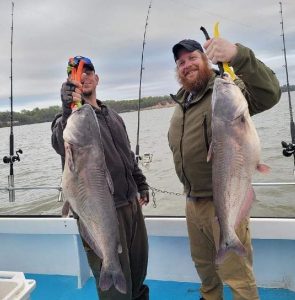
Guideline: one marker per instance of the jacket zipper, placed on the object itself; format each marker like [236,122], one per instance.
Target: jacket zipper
[205,128]
[184,109]
[181,154]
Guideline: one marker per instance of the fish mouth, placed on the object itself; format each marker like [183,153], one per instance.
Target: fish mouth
[221,84]
[86,108]
[226,76]
[225,80]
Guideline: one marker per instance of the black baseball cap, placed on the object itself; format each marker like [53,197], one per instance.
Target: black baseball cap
[189,45]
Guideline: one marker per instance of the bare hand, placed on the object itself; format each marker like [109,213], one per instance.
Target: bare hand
[220,50]
[144,197]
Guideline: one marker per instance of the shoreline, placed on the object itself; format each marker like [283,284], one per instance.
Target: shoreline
[157,106]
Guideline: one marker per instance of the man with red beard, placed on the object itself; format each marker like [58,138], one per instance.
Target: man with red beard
[189,139]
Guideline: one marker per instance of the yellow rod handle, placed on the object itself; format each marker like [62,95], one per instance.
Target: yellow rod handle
[226,67]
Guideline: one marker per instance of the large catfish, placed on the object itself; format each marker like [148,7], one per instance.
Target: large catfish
[235,154]
[88,187]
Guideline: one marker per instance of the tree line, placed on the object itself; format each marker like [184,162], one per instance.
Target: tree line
[40,115]
[284,88]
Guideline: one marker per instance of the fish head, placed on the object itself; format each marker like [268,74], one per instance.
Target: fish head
[228,102]
[79,126]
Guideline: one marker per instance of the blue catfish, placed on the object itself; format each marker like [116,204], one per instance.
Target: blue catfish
[235,154]
[88,187]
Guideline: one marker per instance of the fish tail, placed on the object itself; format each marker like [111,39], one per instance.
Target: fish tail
[120,282]
[233,245]
[108,278]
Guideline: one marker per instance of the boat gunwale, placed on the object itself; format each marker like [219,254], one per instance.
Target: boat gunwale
[261,228]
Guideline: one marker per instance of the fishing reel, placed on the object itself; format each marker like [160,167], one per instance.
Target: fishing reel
[146,159]
[289,149]
[11,159]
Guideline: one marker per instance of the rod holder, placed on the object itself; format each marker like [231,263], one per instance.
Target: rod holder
[11,191]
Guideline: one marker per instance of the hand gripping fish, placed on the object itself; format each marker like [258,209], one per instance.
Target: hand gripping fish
[88,187]
[235,154]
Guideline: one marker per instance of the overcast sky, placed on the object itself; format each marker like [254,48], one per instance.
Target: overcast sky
[48,32]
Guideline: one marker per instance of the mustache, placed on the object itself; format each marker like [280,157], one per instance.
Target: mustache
[202,78]
[189,69]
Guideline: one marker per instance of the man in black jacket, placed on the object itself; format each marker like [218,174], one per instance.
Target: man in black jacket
[127,178]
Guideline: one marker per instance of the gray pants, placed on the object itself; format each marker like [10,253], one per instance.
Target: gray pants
[134,257]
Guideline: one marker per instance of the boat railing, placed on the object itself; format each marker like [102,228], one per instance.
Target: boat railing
[272,183]
[31,188]
[11,188]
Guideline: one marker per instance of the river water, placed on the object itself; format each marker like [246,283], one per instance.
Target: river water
[41,166]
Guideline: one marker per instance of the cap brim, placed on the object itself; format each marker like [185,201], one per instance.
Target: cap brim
[89,67]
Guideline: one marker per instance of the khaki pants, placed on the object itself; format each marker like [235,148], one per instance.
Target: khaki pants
[235,271]
[134,257]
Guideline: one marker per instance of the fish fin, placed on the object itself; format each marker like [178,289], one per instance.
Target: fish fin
[108,278]
[88,238]
[216,232]
[233,245]
[65,212]
[69,157]
[262,168]
[210,152]
[120,283]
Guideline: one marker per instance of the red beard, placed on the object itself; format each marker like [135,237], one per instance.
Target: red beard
[202,78]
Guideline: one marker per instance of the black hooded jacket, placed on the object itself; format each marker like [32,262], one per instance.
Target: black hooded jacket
[120,160]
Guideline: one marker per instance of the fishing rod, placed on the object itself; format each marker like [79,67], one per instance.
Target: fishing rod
[289,149]
[11,158]
[140,80]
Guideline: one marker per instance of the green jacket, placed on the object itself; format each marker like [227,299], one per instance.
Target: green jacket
[190,133]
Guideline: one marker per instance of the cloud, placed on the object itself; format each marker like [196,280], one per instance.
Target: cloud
[47,33]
